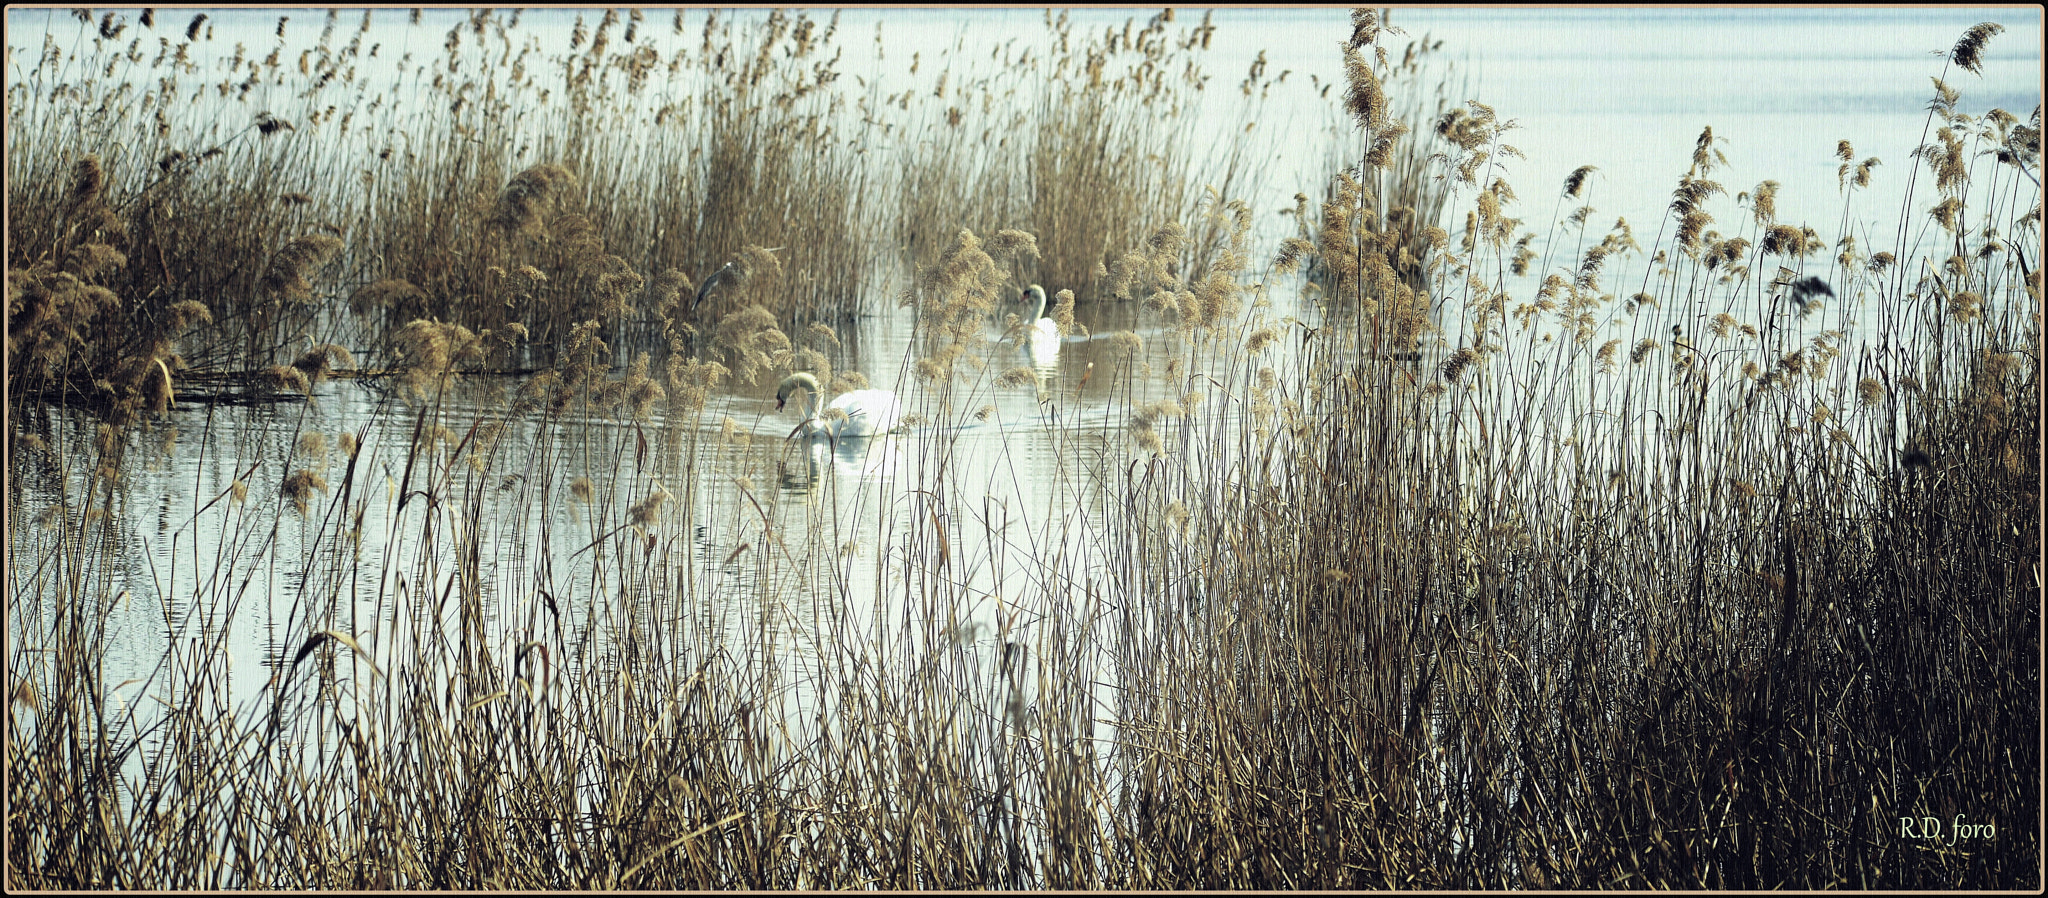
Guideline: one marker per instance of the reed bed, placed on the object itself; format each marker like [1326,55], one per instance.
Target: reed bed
[216,222]
[1676,628]
[1577,601]
[1066,145]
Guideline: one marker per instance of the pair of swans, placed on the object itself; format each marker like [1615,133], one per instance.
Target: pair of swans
[866,413]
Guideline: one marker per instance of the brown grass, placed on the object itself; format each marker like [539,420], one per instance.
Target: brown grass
[1717,619]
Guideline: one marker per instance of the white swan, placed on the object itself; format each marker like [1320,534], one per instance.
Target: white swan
[866,412]
[1044,335]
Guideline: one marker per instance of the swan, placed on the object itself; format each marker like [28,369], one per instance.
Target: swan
[867,412]
[1044,335]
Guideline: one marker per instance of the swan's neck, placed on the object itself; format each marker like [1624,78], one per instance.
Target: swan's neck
[1041,308]
[814,427]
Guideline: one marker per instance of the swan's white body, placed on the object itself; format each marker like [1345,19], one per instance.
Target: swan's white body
[864,413]
[1044,335]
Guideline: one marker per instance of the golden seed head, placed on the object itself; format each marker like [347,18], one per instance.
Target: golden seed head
[1177,516]
[1576,181]
[1017,377]
[1642,351]
[1455,366]
[1968,50]
[299,488]
[647,512]
[1261,339]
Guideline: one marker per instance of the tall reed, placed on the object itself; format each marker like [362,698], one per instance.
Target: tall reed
[1580,601]
[1683,625]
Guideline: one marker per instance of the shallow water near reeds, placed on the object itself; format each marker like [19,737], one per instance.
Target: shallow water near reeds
[1037,453]
[968,552]
[1626,90]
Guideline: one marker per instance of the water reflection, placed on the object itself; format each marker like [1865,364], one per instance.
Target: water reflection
[809,459]
[812,457]
[1019,471]
[550,550]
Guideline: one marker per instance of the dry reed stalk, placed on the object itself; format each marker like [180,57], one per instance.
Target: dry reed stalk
[1376,635]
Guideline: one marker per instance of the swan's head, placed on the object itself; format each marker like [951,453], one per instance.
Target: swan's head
[1034,294]
[798,381]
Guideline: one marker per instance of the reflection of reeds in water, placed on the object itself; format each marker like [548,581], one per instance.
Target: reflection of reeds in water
[1551,611]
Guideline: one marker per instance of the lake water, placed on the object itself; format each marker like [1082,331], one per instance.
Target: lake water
[1627,91]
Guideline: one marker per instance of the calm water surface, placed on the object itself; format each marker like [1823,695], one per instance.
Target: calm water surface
[1627,91]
